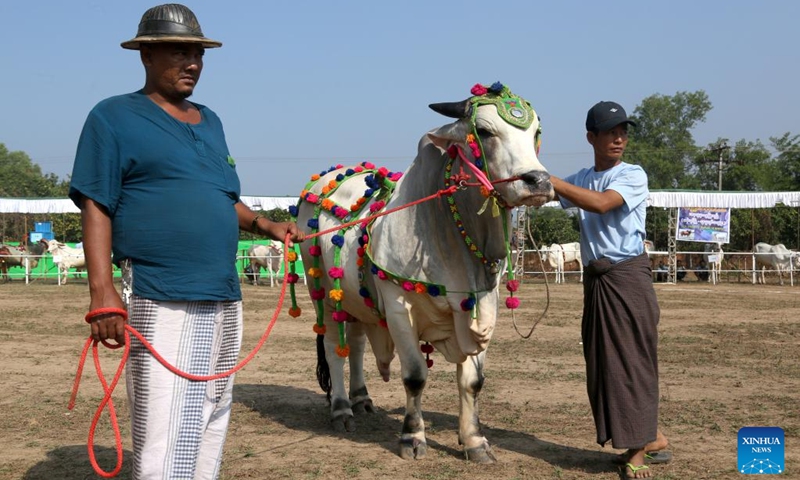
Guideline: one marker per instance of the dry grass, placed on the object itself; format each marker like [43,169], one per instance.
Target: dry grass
[728,357]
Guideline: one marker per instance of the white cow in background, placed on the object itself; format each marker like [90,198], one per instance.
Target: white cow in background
[777,257]
[65,258]
[559,254]
[268,257]
[713,256]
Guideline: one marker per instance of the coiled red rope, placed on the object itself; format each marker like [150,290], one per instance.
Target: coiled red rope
[108,389]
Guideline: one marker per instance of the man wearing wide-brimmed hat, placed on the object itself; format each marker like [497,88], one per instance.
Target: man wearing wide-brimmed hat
[154,180]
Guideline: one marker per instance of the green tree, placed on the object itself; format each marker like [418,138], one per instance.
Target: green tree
[20,177]
[787,161]
[662,141]
[747,166]
[552,225]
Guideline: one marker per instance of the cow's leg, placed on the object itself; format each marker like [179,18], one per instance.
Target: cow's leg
[360,400]
[470,382]
[341,412]
[414,371]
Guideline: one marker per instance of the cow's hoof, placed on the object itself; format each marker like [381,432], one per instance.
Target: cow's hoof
[343,423]
[364,406]
[412,449]
[482,454]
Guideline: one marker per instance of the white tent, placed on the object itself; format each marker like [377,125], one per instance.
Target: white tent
[658,198]
[65,205]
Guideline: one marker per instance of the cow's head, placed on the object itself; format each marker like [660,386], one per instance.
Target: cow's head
[500,133]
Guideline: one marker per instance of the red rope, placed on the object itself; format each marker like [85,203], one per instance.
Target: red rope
[109,389]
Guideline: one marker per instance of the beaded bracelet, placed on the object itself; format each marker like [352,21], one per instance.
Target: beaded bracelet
[104,311]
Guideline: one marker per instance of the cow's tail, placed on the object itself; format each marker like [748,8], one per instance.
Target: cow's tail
[323,370]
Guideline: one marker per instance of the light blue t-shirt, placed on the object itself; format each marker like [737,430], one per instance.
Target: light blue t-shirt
[618,234]
[170,190]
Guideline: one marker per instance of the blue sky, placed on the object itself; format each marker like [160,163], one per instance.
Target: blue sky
[304,85]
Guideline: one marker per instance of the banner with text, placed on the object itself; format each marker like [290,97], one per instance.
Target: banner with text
[704,224]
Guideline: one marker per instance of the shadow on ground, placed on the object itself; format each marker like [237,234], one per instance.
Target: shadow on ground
[299,409]
[72,463]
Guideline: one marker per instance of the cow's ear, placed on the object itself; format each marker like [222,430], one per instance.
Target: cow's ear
[452,109]
[447,135]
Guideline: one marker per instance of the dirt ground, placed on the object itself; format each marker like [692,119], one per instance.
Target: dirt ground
[728,358]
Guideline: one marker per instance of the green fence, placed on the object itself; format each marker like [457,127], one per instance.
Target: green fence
[46,269]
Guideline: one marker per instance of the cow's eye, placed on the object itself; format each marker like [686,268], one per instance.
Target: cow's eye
[483,132]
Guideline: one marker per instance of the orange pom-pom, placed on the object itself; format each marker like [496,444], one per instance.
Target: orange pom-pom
[325,190]
[291,256]
[336,295]
[319,329]
[315,177]
[343,352]
[295,312]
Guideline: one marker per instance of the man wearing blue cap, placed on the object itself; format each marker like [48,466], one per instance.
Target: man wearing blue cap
[153,177]
[620,309]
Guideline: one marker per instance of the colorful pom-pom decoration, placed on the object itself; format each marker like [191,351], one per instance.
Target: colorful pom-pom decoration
[319,329]
[343,352]
[336,272]
[478,90]
[336,295]
[318,294]
[512,303]
[468,304]
[512,285]
[295,312]
[340,316]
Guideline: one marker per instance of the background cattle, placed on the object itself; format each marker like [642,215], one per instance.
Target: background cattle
[713,256]
[65,258]
[397,298]
[16,257]
[558,255]
[776,257]
[268,257]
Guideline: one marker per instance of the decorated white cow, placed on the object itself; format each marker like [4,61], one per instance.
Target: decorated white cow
[427,273]
[776,257]
[558,255]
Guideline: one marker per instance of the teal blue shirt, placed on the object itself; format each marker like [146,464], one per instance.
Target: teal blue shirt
[170,191]
[618,234]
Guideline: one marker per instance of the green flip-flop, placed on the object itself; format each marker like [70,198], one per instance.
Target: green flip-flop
[653,458]
[661,456]
[634,469]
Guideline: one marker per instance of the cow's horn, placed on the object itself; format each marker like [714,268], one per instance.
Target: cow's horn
[452,109]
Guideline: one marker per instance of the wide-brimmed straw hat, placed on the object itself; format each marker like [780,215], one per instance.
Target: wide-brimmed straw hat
[171,22]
